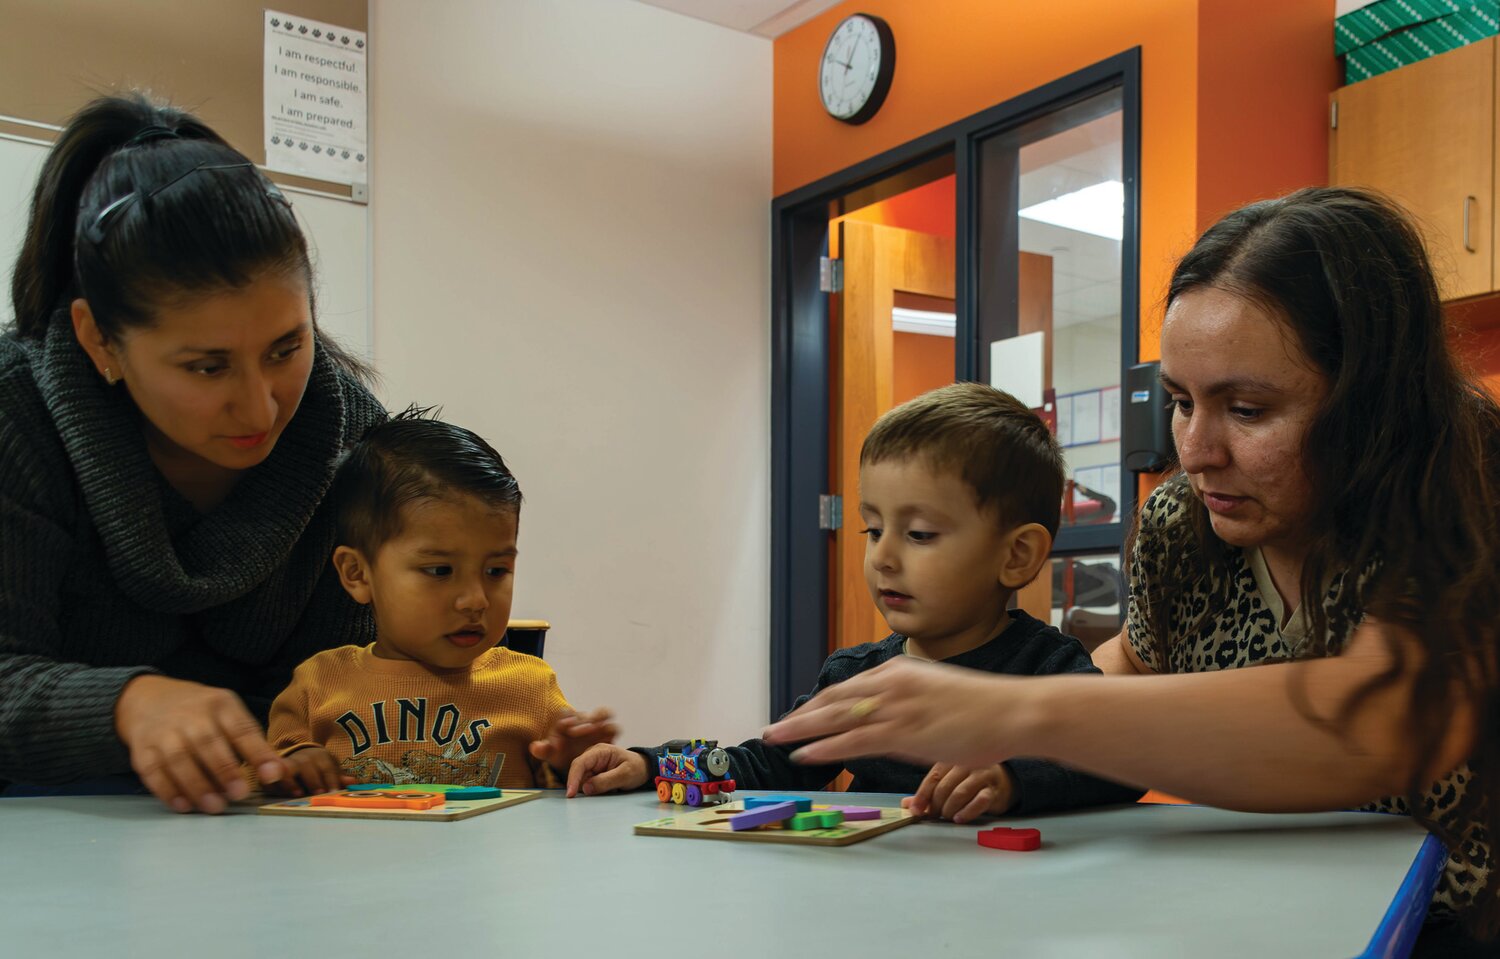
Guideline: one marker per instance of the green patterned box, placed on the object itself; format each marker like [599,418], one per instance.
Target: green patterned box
[1477,20]
[1369,23]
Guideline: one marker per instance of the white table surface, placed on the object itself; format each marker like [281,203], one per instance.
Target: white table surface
[122,877]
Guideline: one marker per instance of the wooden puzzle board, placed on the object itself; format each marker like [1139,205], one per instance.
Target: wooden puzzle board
[712,822]
[450,811]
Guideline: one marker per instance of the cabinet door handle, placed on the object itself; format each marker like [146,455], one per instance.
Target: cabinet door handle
[1469,202]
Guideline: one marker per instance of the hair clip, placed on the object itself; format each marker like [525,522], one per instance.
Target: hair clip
[97,231]
[153,132]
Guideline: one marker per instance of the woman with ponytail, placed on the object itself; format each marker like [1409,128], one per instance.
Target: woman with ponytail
[1335,524]
[169,417]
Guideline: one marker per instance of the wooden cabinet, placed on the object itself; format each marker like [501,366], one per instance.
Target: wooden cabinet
[1426,135]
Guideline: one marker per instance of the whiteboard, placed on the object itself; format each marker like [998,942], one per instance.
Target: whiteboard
[338,232]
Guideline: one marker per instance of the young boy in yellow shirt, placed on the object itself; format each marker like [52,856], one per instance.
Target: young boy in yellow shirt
[960,492]
[428,516]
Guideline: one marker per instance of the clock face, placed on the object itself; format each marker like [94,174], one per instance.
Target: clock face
[857,66]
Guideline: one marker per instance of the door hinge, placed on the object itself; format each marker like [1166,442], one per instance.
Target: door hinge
[1333,115]
[830,275]
[830,511]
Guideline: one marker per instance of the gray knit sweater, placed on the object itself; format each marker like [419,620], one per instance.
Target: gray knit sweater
[107,573]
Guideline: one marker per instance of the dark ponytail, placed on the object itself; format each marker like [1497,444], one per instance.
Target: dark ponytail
[141,205]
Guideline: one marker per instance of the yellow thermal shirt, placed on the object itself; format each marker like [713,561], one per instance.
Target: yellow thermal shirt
[397,721]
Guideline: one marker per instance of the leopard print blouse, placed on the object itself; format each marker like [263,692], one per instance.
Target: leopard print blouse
[1251,627]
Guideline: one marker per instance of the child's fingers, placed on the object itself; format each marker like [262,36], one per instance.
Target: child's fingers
[600,715]
[595,732]
[949,789]
[922,801]
[611,780]
[582,769]
[545,749]
[977,806]
[310,775]
[326,772]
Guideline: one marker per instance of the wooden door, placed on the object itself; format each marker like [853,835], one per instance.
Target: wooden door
[1426,135]
[878,262]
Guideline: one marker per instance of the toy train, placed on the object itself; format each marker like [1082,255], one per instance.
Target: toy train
[692,772]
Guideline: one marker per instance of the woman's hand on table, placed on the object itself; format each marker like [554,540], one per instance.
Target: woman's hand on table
[916,712]
[188,742]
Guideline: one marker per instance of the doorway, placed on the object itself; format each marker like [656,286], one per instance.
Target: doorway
[941,251]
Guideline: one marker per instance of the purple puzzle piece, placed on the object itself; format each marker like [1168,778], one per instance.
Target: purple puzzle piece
[762,816]
[857,813]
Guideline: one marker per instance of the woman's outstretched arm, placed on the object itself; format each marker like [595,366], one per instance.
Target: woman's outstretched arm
[1235,738]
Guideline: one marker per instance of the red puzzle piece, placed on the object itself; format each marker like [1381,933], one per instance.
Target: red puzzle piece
[1016,840]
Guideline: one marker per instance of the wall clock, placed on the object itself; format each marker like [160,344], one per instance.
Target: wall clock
[858,63]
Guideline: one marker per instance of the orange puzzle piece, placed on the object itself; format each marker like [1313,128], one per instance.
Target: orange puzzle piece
[380,799]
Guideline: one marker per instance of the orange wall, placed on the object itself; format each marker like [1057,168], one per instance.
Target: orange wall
[1262,100]
[1212,134]
[931,208]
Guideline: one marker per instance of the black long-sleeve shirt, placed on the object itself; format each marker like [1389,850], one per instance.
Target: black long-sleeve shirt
[1027,647]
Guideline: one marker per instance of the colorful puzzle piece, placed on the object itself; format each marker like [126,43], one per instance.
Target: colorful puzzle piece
[475,792]
[447,789]
[802,803]
[763,815]
[1016,840]
[380,799]
[823,819]
[853,813]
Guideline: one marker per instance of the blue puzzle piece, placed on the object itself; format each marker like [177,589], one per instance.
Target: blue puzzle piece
[803,803]
[474,792]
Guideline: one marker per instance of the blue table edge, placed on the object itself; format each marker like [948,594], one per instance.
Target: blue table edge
[1399,928]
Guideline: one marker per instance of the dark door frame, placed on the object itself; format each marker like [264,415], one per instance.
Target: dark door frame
[800,347]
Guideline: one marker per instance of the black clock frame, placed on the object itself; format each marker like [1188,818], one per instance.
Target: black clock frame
[882,78]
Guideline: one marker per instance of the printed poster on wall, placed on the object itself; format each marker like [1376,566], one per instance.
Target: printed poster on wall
[315,105]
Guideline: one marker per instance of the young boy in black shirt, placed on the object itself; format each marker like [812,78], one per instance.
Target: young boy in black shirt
[960,492]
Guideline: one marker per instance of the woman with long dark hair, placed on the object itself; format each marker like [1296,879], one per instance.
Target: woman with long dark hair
[1334,523]
[169,417]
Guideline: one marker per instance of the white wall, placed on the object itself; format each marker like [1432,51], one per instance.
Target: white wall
[571,254]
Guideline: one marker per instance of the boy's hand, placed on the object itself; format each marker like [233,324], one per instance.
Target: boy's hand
[606,768]
[314,770]
[962,795]
[571,735]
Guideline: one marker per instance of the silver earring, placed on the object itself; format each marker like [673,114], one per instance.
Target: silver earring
[109,376]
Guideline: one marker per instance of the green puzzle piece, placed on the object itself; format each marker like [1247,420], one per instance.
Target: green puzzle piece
[822,819]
